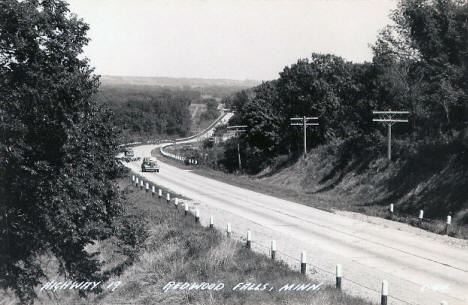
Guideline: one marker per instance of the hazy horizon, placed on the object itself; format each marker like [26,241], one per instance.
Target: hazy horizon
[180,77]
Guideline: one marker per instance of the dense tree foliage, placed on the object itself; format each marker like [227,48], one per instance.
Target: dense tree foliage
[423,61]
[57,148]
[420,64]
[148,112]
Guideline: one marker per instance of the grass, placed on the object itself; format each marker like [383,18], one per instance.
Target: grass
[329,200]
[177,249]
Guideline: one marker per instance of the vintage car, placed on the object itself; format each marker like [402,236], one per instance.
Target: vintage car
[129,153]
[129,156]
[149,165]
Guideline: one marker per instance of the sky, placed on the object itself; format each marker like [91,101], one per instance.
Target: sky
[231,39]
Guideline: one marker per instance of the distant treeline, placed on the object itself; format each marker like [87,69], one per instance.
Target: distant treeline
[217,88]
[146,111]
[420,64]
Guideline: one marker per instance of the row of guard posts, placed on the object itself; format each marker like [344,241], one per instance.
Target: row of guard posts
[303,266]
[448,223]
[191,161]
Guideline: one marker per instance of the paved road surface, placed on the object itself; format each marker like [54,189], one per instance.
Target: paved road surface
[420,269]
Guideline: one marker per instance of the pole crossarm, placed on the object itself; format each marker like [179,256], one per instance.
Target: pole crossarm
[304,121]
[237,127]
[390,120]
[307,118]
[390,112]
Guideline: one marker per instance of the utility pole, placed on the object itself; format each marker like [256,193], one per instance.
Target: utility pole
[390,117]
[238,129]
[304,122]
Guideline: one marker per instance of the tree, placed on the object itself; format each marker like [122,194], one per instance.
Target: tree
[316,87]
[57,148]
[425,50]
[262,120]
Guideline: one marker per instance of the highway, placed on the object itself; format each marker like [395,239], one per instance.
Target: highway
[420,268]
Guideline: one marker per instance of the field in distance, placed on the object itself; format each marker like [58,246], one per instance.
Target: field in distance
[177,82]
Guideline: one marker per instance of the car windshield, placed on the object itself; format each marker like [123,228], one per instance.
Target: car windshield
[151,163]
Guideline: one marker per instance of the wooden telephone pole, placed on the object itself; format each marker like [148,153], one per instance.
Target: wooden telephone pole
[389,118]
[238,129]
[304,122]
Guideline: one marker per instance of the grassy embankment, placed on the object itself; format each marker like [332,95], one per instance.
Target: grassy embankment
[433,179]
[180,250]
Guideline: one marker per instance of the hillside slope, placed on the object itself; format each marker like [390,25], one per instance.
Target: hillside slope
[432,177]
